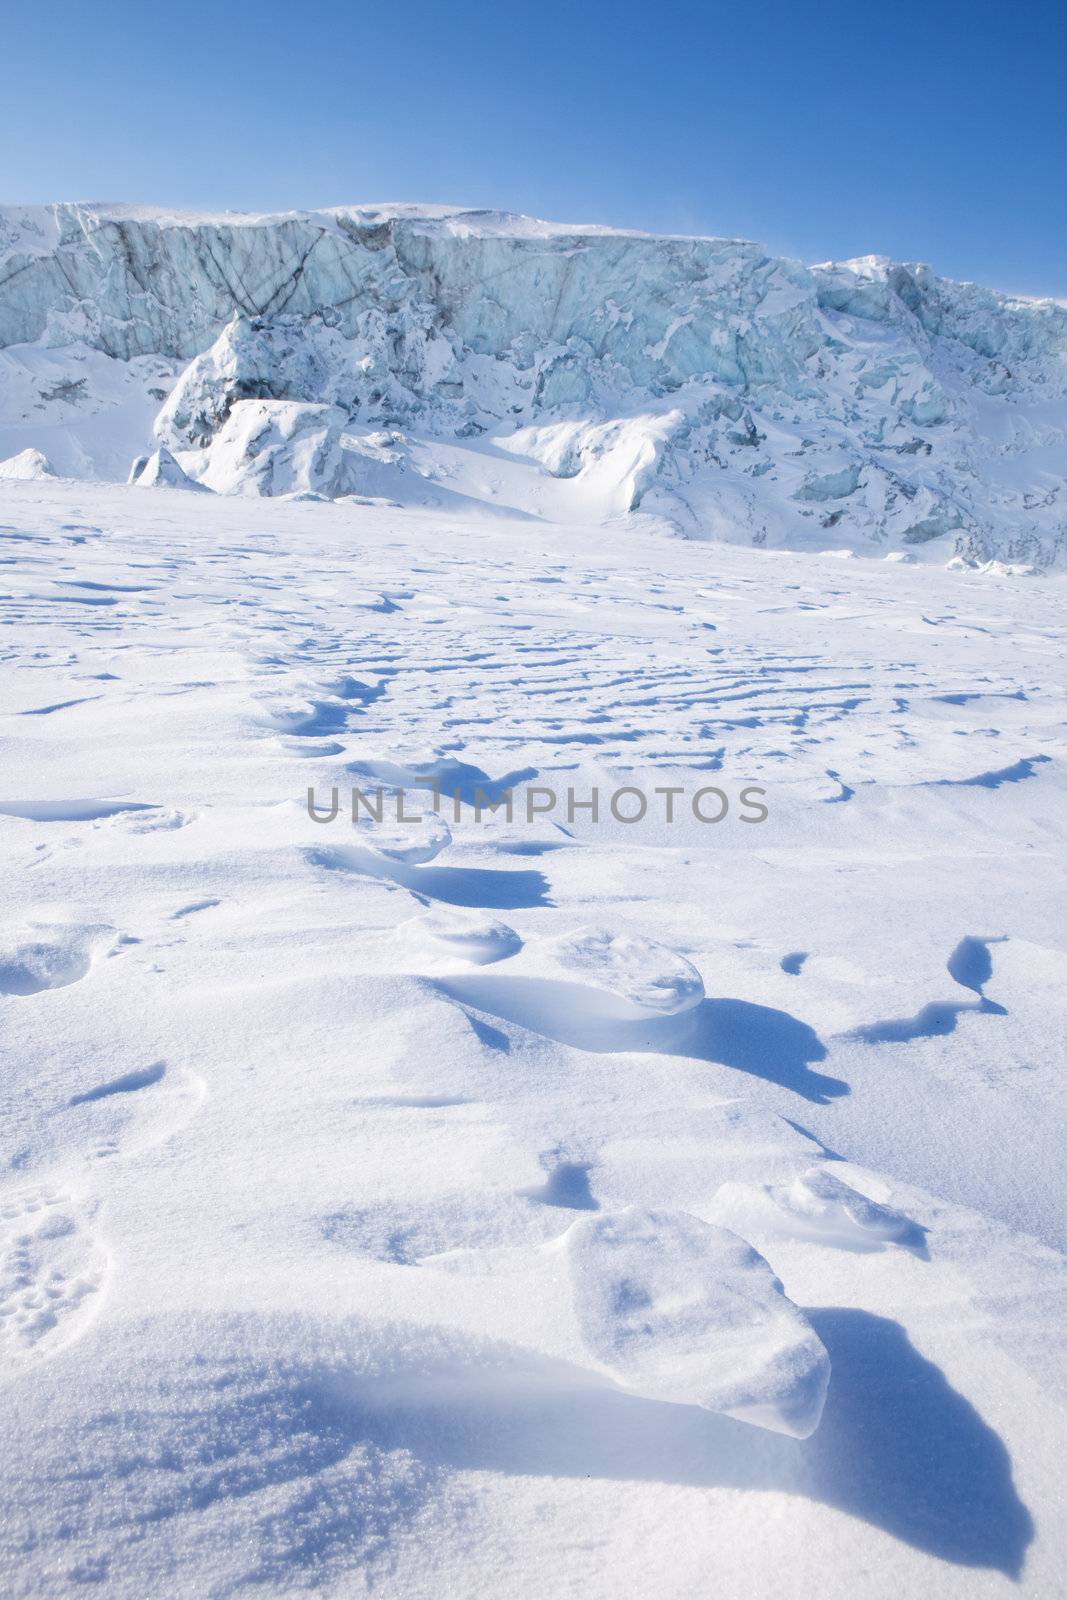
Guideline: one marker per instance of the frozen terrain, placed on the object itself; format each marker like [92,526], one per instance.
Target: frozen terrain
[476,361]
[536,1208]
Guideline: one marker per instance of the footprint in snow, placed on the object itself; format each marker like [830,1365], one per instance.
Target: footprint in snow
[46,955]
[606,992]
[594,974]
[680,1311]
[128,1114]
[475,887]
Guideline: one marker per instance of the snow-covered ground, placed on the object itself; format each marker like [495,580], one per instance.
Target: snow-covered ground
[545,1208]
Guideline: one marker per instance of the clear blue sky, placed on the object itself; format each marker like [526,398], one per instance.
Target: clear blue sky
[931,131]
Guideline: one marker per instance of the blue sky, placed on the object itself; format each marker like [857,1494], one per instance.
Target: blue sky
[932,131]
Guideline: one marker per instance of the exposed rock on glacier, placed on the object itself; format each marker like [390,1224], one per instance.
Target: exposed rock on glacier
[567,372]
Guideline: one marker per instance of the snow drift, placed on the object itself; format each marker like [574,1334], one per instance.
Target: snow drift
[443,357]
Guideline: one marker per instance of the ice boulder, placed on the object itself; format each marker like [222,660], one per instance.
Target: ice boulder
[161,471]
[680,1311]
[276,447]
[1009,569]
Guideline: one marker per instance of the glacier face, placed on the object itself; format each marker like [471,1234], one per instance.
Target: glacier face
[453,358]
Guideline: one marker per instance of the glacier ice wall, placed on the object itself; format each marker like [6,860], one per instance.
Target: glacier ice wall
[389,350]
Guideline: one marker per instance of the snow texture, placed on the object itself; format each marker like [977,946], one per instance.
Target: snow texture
[478,1206]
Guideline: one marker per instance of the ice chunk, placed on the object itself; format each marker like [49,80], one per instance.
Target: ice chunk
[160,470]
[677,1310]
[830,485]
[276,447]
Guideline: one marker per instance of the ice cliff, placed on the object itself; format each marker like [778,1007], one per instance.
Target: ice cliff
[460,359]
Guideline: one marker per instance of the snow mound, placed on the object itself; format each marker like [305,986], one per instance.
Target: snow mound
[633,976]
[412,843]
[470,934]
[817,1205]
[681,1311]
[28,465]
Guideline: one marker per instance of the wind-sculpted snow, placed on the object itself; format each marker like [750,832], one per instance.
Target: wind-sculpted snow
[571,373]
[406,1192]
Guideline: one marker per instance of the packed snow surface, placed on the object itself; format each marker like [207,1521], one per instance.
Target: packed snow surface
[478,361]
[428,1188]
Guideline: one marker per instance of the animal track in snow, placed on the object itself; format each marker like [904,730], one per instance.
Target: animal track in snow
[51,1274]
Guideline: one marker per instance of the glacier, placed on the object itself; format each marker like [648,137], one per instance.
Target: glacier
[485,362]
